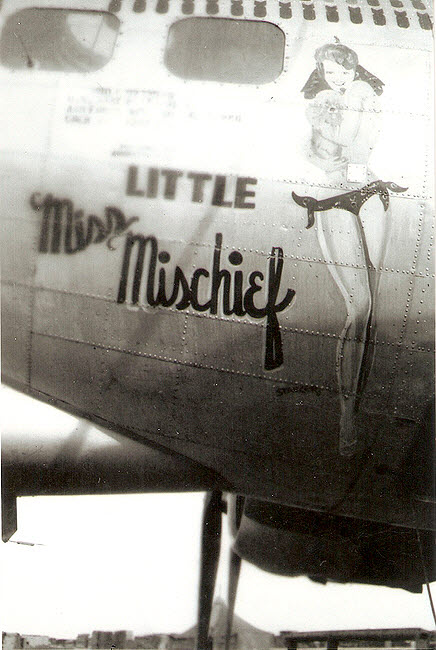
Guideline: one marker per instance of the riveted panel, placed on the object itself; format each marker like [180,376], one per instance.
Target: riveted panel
[16,332]
[68,371]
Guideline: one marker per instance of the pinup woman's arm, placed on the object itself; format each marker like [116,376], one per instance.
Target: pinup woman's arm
[359,130]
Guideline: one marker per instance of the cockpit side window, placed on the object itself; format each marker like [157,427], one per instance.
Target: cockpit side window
[66,40]
[225,50]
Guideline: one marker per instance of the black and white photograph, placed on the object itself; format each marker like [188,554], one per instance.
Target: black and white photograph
[217,324]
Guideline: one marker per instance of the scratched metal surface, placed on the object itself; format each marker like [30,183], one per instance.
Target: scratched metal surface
[196,381]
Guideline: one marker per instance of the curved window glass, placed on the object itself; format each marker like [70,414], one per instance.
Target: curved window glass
[58,39]
[225,50]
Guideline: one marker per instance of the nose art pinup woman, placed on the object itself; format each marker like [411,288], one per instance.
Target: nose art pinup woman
[344,114]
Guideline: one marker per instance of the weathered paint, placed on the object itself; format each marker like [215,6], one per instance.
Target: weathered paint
[195,381]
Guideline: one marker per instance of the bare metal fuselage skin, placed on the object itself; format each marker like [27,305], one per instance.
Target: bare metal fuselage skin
[160,279]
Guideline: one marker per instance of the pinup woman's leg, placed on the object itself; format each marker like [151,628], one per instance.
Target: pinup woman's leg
[340,238]
[376,224]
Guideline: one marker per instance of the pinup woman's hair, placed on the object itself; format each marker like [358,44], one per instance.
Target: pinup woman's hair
[344,56]
[341,54]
